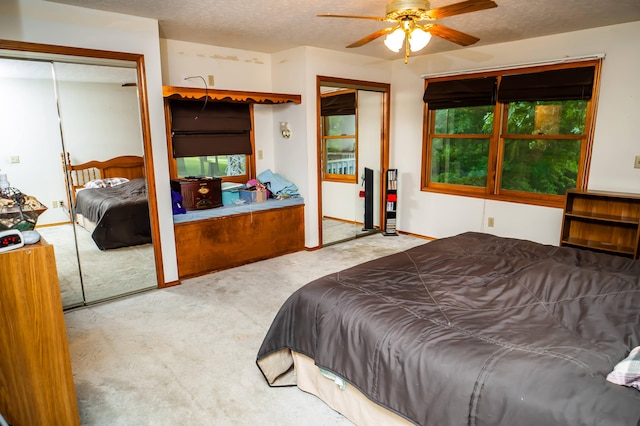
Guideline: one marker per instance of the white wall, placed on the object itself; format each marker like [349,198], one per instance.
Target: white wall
[30,130]
[89,133]
[296,70]
[39,21]
[615,145]
[232,69]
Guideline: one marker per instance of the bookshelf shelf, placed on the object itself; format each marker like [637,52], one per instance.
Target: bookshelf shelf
[602,221]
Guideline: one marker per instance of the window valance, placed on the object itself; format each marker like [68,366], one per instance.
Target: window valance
[343,104]
[461,93]
[196,145]
[553,85]
[214,128]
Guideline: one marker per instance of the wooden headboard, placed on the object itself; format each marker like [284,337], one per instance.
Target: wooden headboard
[127,166]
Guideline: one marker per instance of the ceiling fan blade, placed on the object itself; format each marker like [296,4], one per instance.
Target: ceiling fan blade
[452,35]
[459,8]
[372,36]
[332,15]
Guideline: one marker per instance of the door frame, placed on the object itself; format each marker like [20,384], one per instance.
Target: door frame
[385,89]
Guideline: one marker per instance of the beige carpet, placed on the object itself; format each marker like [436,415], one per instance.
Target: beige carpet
[334,231]
[105,274]
[185,355]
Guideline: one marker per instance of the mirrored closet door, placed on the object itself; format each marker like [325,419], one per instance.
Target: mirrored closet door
[351,121]
[73,125]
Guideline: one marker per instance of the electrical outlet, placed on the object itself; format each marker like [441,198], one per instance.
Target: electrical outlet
[14,159]
[55,204]
[61,204]
[637,163]
[210,80]
[259,154]
[490,222]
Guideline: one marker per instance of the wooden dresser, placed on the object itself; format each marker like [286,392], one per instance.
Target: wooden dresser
[36,383]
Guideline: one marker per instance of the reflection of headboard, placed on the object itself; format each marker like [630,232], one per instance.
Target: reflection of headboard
[127,166]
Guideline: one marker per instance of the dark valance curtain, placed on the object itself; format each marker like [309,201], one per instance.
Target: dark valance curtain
[554,85]
[188,116]
[344,104]
[202,144]
[461,93]
[219,128]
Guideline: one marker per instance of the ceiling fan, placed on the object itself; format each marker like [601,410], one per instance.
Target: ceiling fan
[408,15]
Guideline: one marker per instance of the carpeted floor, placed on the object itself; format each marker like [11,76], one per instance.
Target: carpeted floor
[334,231]
[105,273]
[185,355]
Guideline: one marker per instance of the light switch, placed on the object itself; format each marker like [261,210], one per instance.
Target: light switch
[259,154]
[637,163]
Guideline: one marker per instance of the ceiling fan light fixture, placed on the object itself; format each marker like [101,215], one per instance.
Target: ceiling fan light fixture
[418,39]
[395,40]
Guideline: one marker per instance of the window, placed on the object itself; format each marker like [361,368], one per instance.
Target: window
[522,136]
[212,139]
[339,136]
[227,167]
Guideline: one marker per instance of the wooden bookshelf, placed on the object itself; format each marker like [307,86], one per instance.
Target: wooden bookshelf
[602,221]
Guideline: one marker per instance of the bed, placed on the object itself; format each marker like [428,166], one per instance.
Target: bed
[468,330]
[110,200]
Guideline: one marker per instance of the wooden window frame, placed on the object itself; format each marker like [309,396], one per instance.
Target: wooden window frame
[329,177]
[492,190]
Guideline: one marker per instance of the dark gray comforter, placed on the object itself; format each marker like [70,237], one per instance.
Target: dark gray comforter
[472,330]
[121,214]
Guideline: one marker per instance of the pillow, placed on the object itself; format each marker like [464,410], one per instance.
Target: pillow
[627,371]
[106,182]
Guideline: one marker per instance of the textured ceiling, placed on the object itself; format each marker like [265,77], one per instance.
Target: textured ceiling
[273,25]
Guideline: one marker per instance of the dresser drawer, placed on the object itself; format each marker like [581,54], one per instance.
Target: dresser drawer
[198,194]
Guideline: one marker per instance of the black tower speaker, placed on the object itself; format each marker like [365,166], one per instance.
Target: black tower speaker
[368,199]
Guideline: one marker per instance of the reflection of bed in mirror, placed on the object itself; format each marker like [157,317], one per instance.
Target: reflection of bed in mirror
[110,199]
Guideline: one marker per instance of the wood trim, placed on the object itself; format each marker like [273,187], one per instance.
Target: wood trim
[411,234]
[384,154]
[21,46]
[149,170]
[175,92]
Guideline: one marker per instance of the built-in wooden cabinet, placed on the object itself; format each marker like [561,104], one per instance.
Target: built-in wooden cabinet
[36,384]
[602,221]
[223,242]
